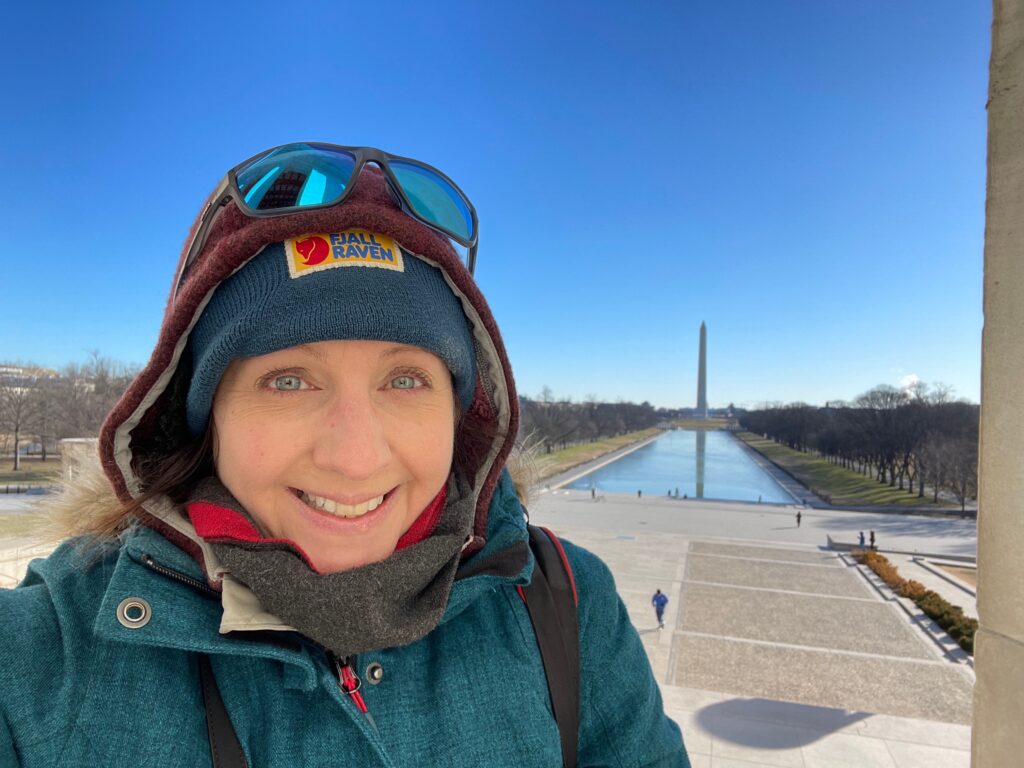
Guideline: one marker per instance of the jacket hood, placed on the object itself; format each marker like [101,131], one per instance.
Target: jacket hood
[149,419]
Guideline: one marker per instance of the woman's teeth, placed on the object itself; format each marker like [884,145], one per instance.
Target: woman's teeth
[341,510]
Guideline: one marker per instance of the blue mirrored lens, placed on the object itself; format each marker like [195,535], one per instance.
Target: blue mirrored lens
[434,199]
[296,176]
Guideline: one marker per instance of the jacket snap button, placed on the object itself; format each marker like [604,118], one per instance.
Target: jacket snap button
[134,612]
[374,673]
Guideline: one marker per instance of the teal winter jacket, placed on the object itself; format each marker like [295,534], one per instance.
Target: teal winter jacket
[77,688]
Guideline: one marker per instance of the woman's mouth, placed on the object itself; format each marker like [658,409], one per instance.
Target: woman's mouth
[338,509]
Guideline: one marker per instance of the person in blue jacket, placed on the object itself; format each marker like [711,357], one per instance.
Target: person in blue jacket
[307,512]
[659,601]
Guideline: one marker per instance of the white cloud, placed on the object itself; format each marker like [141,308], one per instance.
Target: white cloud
[909,381]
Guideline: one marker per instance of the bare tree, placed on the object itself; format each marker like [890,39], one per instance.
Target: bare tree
[43,413]
[16,401]
[877,408]
[961,461]
[86,393]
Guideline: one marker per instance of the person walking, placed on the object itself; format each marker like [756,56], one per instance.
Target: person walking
[659,601]
[799,517]
[872,535]
[860,537]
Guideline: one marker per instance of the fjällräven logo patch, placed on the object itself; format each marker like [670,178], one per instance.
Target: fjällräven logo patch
[351,248]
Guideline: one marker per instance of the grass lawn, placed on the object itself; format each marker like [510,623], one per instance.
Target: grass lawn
[841,486]
[32,472]
[553,463]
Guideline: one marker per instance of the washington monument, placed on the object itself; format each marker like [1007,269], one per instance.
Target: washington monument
[702,375]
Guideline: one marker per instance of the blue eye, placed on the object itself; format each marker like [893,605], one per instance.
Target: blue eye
[405,382]
[286,383]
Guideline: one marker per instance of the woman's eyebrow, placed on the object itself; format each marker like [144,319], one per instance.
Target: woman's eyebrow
[313,352]
[399,349]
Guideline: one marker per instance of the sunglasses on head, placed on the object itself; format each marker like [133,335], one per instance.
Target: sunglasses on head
[307,176]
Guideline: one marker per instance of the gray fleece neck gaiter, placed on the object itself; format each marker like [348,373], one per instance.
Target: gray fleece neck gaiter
[385,604]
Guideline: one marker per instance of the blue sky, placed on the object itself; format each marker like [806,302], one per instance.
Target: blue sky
[807,178]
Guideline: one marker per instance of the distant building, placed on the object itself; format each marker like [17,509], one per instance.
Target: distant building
[17,376]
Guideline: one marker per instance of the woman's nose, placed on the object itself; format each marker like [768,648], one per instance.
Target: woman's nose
[352,440]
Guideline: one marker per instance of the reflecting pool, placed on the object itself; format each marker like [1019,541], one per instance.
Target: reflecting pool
[695,463]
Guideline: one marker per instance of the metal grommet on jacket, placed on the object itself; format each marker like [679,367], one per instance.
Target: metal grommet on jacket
[374,673]
[134,612]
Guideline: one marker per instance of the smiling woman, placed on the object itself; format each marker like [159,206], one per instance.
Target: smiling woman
[336,446]
[306,490]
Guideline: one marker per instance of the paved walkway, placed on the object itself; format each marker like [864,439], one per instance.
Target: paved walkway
[16,546]
[770,523]
[775,652]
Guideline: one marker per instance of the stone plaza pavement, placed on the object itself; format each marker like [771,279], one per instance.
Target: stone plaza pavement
[777,652]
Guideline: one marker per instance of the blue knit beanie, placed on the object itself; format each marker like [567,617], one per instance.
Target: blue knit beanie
[348,285]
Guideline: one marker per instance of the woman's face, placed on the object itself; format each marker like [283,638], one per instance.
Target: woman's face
[337,445]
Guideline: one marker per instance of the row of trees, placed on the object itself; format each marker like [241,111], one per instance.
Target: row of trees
[909,438]
[40,406]
[551,424]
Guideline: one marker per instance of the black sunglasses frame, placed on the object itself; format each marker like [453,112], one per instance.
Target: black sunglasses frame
[228,190]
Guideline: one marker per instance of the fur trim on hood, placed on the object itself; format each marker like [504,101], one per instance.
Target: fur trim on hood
[75,507]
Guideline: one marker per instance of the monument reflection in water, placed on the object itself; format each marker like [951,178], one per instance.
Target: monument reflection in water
[700,464]
[702,438]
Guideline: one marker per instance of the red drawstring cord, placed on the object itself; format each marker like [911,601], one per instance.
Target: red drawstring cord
[350,684]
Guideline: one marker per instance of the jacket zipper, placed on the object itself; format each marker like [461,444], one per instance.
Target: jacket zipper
[348,680]
[350,684]
[153,565]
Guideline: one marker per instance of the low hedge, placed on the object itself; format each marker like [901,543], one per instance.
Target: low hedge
[948,616]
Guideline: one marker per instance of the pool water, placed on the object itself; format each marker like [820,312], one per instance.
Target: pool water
[698,464]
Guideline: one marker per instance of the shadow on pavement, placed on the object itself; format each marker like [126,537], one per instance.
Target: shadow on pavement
[756,722]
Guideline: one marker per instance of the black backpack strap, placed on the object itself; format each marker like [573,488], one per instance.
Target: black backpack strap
[551,601]
[225,751]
